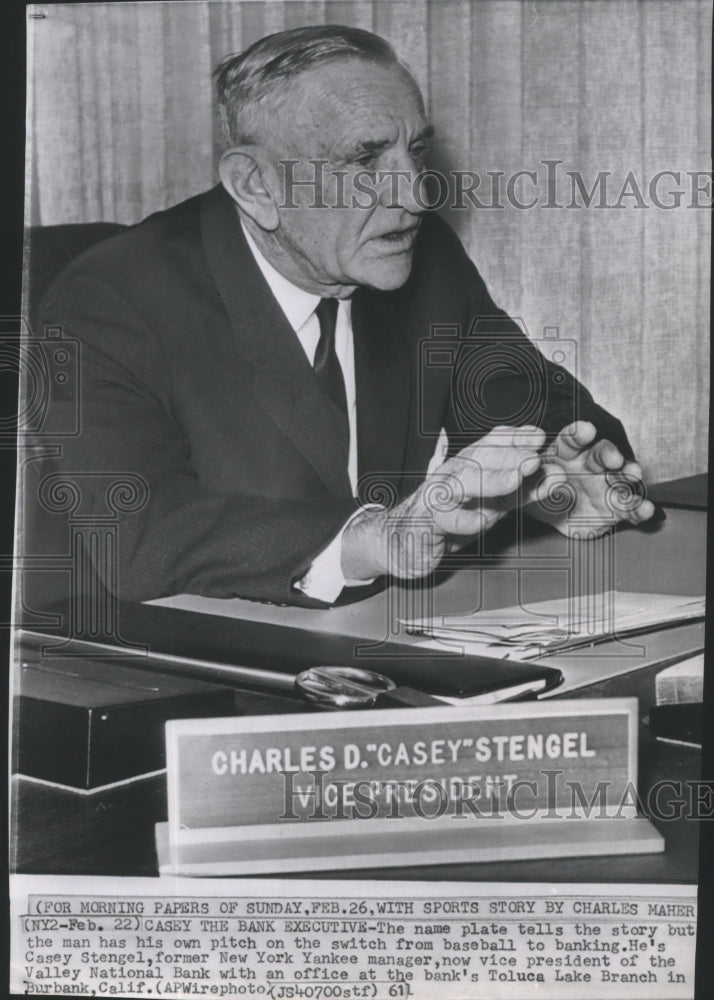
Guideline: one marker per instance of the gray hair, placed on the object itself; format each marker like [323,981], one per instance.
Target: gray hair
[246,79]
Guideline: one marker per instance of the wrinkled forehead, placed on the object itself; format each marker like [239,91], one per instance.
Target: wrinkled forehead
[346,97]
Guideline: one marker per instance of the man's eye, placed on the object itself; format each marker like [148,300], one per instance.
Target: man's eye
[419,151]
[366,160]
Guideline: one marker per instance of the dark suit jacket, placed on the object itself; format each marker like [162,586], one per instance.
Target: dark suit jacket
[192,379]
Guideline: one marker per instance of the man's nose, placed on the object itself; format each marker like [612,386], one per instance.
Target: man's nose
[400,185]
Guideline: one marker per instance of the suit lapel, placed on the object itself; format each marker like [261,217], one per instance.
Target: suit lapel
[382,372]
[283,381]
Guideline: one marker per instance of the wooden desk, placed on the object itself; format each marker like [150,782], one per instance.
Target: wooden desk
[511,565]
[112,832]
[61,832]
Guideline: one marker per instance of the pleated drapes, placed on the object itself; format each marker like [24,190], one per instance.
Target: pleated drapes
[122,125]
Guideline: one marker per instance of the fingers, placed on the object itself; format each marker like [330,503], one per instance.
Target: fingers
[549,488]
[573,439]
[631,476]
[496,464]
[576,442]
[528,436]
[642,513]
[468,523]
[604,457]
[634,506]
[603,485]
[496,472]
[633,470]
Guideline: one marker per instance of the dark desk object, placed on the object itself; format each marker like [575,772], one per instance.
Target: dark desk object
[690,492]
[282,652]
[107,832]
[681,723]
[86,725]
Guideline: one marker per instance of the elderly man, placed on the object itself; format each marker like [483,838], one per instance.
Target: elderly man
[256,354]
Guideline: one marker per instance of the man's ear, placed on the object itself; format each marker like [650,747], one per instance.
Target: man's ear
[243,175]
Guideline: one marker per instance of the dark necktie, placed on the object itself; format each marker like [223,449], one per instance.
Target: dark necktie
[328,370]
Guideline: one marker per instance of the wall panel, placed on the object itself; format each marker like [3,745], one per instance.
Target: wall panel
[122,128]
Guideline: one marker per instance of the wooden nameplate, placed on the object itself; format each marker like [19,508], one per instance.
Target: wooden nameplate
[400,788]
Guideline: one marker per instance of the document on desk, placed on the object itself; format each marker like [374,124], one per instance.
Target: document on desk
[560,624]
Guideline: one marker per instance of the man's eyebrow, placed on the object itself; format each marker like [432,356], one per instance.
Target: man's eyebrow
[377,145]
[428,132]
[371,145]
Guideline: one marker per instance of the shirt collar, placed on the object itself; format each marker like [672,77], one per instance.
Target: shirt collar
[297,304]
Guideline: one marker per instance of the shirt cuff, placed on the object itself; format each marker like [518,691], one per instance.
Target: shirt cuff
[324,579]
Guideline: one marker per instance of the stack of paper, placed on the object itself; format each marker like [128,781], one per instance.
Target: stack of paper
[564,623]
[682,683]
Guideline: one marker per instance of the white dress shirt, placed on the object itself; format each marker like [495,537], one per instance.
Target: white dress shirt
[324,579]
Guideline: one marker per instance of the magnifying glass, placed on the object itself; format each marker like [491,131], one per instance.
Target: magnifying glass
[351,687]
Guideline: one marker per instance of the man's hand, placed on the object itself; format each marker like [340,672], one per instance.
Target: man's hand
[462,498]
[590,486]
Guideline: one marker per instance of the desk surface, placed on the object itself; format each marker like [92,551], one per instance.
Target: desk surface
[111,832]
[499,571]
[691,491]
[505,571]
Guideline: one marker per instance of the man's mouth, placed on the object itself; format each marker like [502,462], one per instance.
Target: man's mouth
[398,240]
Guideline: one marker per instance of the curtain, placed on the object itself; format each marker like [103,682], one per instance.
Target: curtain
[120,101]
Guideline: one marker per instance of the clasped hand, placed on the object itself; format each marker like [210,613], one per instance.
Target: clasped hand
[574,483]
